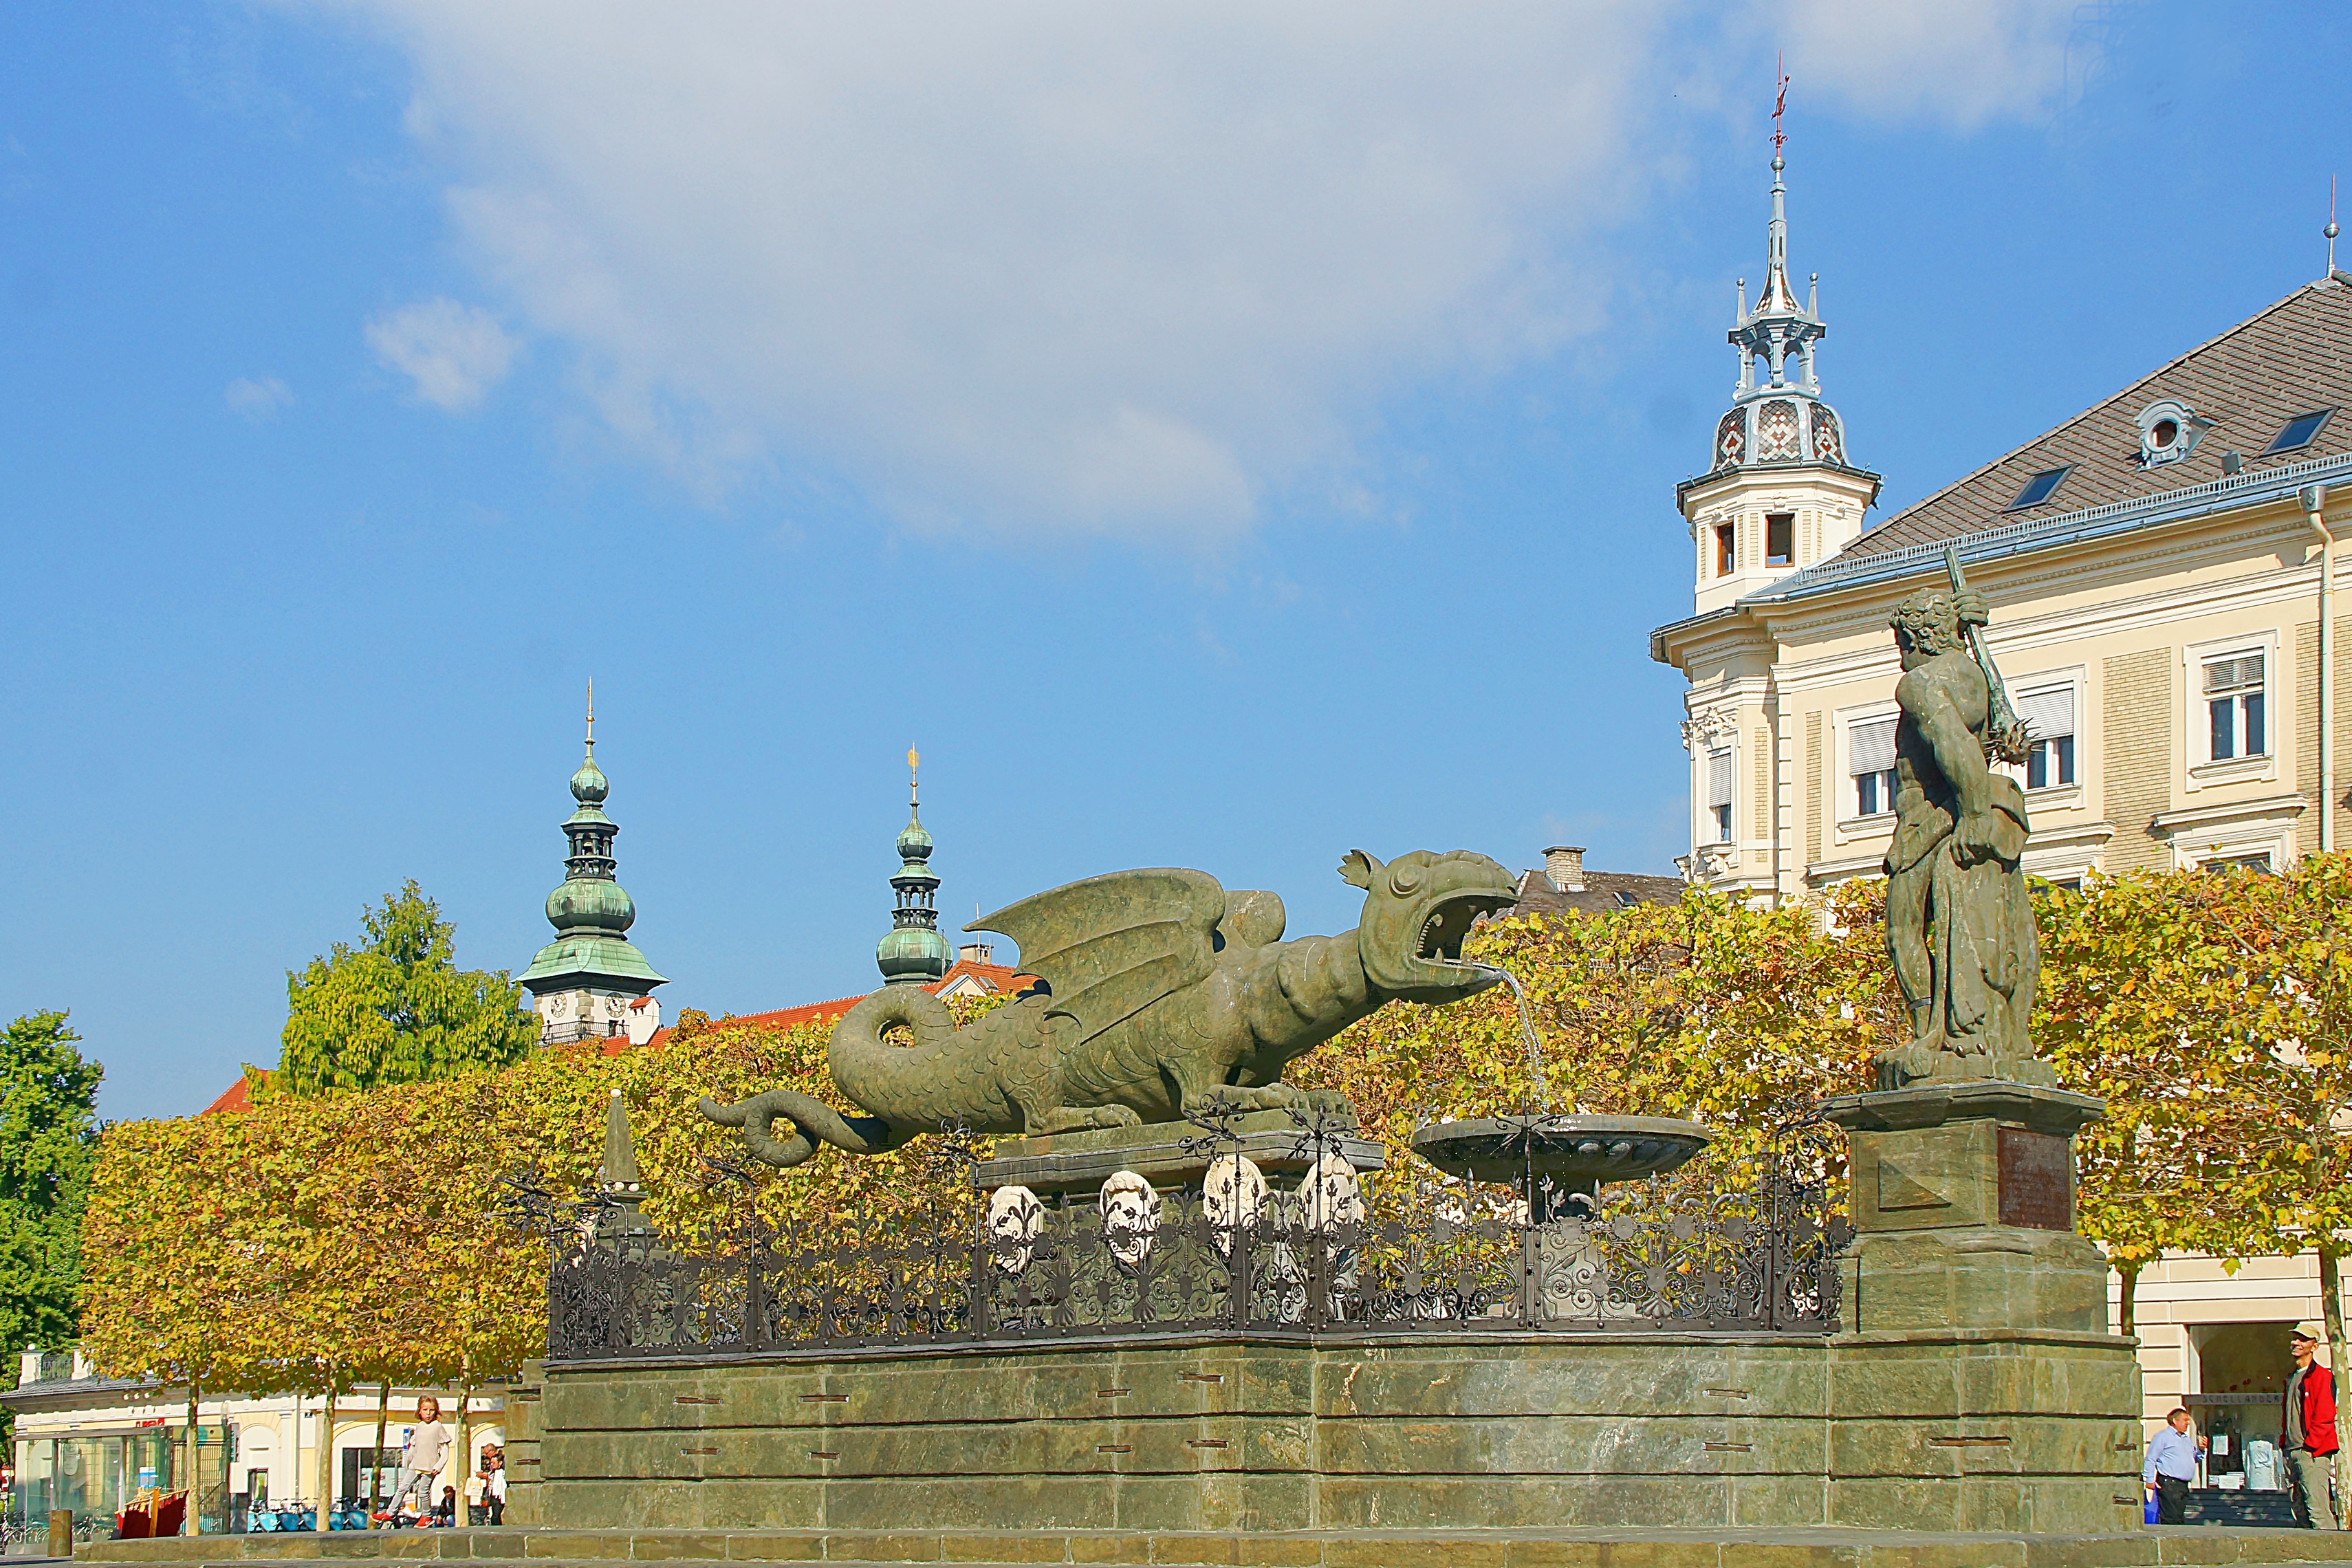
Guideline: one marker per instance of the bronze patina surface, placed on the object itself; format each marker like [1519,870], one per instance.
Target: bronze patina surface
[1960,928]
[1162,994]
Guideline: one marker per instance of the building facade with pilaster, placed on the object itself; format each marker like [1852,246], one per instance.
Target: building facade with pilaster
[2162,574]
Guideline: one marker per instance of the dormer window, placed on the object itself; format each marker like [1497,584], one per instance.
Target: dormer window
[2168,431]
[2040,489]
[2298,432]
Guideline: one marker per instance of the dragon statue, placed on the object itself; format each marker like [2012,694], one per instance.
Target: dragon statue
[1158,992]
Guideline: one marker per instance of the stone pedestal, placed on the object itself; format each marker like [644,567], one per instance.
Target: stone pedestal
[1169,1154]
[1976,1385]
[522,1432]
[1964,1210]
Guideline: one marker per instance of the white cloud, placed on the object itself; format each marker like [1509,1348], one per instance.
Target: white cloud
[1071,266]
[455,353]
[1955,64]
[257,400]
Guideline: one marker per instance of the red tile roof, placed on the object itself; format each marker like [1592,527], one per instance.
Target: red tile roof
[991,976]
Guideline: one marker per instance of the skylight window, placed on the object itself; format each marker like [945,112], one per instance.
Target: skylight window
[2039,487]
[2299,431]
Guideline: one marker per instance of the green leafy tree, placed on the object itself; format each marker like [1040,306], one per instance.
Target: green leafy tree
[1737,1016]
[49,1139]
[2140,1007]
[2213,1010]
[397,1009]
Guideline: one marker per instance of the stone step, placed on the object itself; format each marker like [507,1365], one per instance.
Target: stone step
[2179,1546]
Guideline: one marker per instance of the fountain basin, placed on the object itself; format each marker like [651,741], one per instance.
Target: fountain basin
[1577,1153]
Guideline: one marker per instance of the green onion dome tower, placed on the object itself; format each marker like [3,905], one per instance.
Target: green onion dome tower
[591,982]
[914,953]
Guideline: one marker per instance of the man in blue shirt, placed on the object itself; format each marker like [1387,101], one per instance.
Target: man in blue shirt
[2172,1465]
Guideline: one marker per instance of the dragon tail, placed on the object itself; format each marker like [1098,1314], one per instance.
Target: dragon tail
[813,1123]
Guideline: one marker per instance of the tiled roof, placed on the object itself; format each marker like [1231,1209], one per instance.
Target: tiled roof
[1602,892]
[991,977]
[2295,357]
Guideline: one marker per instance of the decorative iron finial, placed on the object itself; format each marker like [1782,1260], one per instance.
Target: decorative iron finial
[914,761]
[2331,230]
[592,716]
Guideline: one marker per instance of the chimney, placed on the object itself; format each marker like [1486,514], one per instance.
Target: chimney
[977,953]
[1564,864]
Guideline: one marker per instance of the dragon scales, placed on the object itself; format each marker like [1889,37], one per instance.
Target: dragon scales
[1158,993]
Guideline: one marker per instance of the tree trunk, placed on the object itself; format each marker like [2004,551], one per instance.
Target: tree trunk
[465,1435]
[375,1460]
[326,1456]
[189,1525]
[2127,1307]
[2331,1310]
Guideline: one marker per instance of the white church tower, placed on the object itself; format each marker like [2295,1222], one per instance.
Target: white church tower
[1778,496]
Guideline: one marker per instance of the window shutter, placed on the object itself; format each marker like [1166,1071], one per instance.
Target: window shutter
[1870,747]
[2232,674]
[2048,714]
[1718,778]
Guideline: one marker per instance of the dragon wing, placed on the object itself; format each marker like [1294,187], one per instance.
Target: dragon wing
[1111,946]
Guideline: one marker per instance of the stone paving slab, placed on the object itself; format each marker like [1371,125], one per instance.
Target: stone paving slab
[2158,1547]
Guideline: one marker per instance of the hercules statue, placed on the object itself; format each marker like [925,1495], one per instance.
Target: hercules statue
[1960,928]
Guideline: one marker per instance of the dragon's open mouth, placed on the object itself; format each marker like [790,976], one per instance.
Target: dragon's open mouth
[1447,925]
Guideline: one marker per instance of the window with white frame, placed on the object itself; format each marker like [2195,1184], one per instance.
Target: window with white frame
[2236,717]
[1719,793]
[1870,760]
[2048,713]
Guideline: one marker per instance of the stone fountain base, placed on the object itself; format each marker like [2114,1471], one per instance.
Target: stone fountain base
[1908,1431]
[1974,1387]
[1534,1547]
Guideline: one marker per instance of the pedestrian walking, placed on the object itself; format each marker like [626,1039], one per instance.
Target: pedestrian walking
[2172,1467]
[478,1492]
[422,1457]
[2307,1429]
[496,1458]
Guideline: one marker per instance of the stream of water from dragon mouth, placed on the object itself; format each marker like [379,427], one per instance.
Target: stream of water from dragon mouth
[1527,1027]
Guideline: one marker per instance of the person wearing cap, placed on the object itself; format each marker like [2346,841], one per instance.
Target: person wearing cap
[2172,1467]
[2308,1429]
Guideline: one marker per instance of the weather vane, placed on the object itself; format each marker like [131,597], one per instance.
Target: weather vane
[592,714]
[1780,105]
[914,761]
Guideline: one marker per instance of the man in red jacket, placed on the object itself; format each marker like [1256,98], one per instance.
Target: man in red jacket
[2308,1435]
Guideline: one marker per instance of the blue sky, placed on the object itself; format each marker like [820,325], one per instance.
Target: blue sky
[1220,440]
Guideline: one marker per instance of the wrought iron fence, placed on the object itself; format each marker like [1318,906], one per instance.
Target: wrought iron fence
[1227,1254]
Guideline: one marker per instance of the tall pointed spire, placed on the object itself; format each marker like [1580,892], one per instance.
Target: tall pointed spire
[1777,415]
[587,978]
[914,953]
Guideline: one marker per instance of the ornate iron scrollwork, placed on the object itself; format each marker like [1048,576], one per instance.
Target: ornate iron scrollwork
[1397,1258]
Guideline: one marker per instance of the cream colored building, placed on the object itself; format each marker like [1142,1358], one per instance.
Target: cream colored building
[88,1443]
[2154,569]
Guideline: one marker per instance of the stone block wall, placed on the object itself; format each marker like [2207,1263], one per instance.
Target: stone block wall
[1974,1431]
